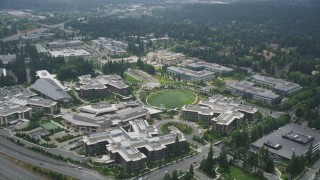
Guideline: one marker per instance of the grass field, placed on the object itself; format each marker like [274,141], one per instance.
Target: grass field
[49,125]
[239,174]
[170,99]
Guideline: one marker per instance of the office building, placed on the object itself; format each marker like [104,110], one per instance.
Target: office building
[282,87]
[48,86]
[65,43]
[131,148]
[190,75]
[290,139]
[247,89]
[223,114]
[218,69]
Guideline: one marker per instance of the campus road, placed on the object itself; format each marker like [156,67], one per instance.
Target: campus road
[182,165]
[19,153]
[9,170]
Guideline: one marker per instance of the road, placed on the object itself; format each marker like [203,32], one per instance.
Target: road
[182,165]
[58,26]
[9,170]
[22,33]
[36,159]
[309,175]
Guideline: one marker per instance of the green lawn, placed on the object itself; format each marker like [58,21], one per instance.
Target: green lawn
[170,99]
[239,174]
[184,128]
[49,125]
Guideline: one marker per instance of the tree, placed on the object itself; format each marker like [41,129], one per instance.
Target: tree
[207,165]
[176,146]
[223,161]
[167,176]
[175,175]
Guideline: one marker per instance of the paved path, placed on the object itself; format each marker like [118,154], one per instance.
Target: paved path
[182,165]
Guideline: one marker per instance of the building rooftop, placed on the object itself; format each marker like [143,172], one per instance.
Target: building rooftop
[210,66]
[127,143]
[101,108]
[277,83]
[189,72]
[70,52]
[248,87]
[51,89]
[291,138]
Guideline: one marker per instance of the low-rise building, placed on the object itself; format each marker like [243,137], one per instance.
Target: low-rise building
[165,58]
[65,43]
[91,119]
[279,86]
[49,87]
[132,148]
[87,123]
[19,103]
[246,89]
[100,85]
[110,46]
[70,53]
[100,109]
[5,59]
[190,75]
[218,69]
[290,139]
[11,112]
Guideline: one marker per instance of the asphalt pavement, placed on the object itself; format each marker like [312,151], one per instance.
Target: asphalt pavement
[36,159]
[182,165]
[11,171]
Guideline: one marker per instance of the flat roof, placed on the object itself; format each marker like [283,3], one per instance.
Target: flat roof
[278,83]
[290,145]
[189,72]
[70,52]
[210,66]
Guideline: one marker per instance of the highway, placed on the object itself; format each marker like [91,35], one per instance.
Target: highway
[9,170]
[30,157]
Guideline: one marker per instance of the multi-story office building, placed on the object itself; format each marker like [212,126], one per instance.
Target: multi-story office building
[190,75]
[65,43]
[100,85]
[132,148]
[19,103]
[223,114]
[218,69]
[279,86]
[110,46]
[91,123]
[246,89]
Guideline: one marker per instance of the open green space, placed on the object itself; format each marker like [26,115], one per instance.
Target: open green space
[184,128]
[49,125]
[171,98]
[239,174]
